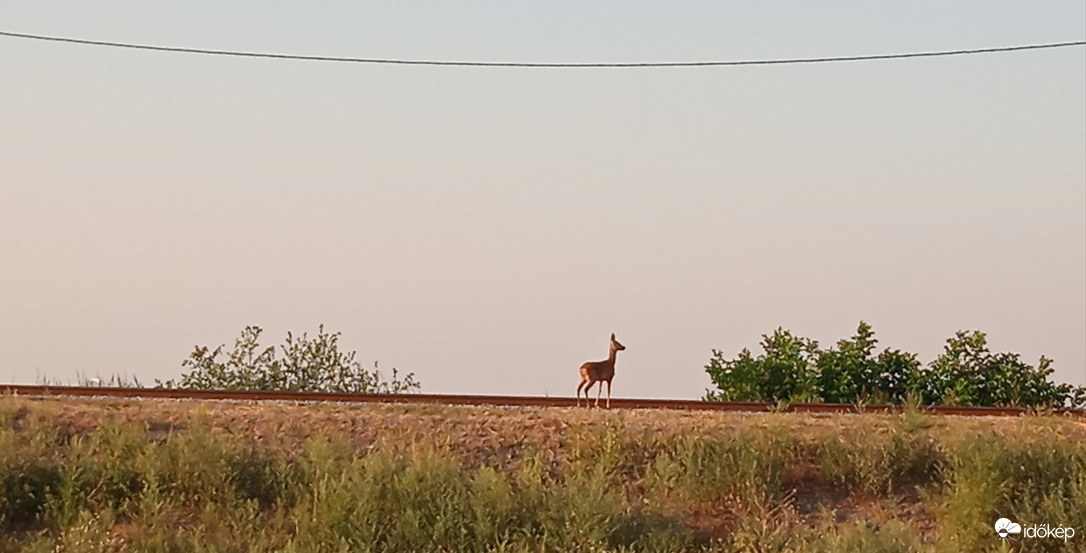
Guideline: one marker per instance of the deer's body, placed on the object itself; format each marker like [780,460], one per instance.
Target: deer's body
[599,371]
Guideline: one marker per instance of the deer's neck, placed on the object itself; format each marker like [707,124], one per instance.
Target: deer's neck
[611,356]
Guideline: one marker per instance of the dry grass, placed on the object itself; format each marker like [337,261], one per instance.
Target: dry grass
[287,425]
[679,480]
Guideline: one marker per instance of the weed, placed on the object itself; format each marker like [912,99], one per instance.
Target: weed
[863,537]
[607,485]
[869,461]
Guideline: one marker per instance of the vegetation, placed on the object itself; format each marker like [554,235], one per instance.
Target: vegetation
[83,379]
[123,480]
[306,365]
[793,368]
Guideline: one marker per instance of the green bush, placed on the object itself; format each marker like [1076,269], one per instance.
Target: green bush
[967,373]
[794,369]
[851,372]
[784,371]
[306,365]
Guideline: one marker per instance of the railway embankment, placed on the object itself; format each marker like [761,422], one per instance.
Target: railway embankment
[130,474]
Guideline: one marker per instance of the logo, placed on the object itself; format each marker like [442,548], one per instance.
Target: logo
[1006,529]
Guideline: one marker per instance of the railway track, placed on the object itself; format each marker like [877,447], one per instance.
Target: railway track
[504,401]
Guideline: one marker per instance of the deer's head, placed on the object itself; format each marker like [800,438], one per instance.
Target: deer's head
[615,345]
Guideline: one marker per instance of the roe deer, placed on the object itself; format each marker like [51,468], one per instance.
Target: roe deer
[599,371]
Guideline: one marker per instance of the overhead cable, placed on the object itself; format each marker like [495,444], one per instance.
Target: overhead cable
[387,61]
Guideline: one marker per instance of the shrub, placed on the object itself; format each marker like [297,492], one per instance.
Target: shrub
[967,373]
[307,365]
[794,369]
[25,488]
[784,371]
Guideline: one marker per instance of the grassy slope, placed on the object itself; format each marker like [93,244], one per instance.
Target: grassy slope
[82,475]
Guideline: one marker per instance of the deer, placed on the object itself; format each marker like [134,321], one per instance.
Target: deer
[599,371]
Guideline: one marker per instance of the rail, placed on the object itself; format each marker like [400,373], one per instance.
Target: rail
[503,401]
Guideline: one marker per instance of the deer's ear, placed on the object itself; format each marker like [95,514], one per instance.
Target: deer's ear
[612,336]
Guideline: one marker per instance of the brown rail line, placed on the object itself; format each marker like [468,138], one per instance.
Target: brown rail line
[503,401]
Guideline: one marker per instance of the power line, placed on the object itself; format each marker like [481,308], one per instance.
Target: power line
[387,61]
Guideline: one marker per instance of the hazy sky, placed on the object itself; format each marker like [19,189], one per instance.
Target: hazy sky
[489,228]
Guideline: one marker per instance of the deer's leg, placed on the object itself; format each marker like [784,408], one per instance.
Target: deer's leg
[588,386]
[599,390]
[579,386]
[608,393]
